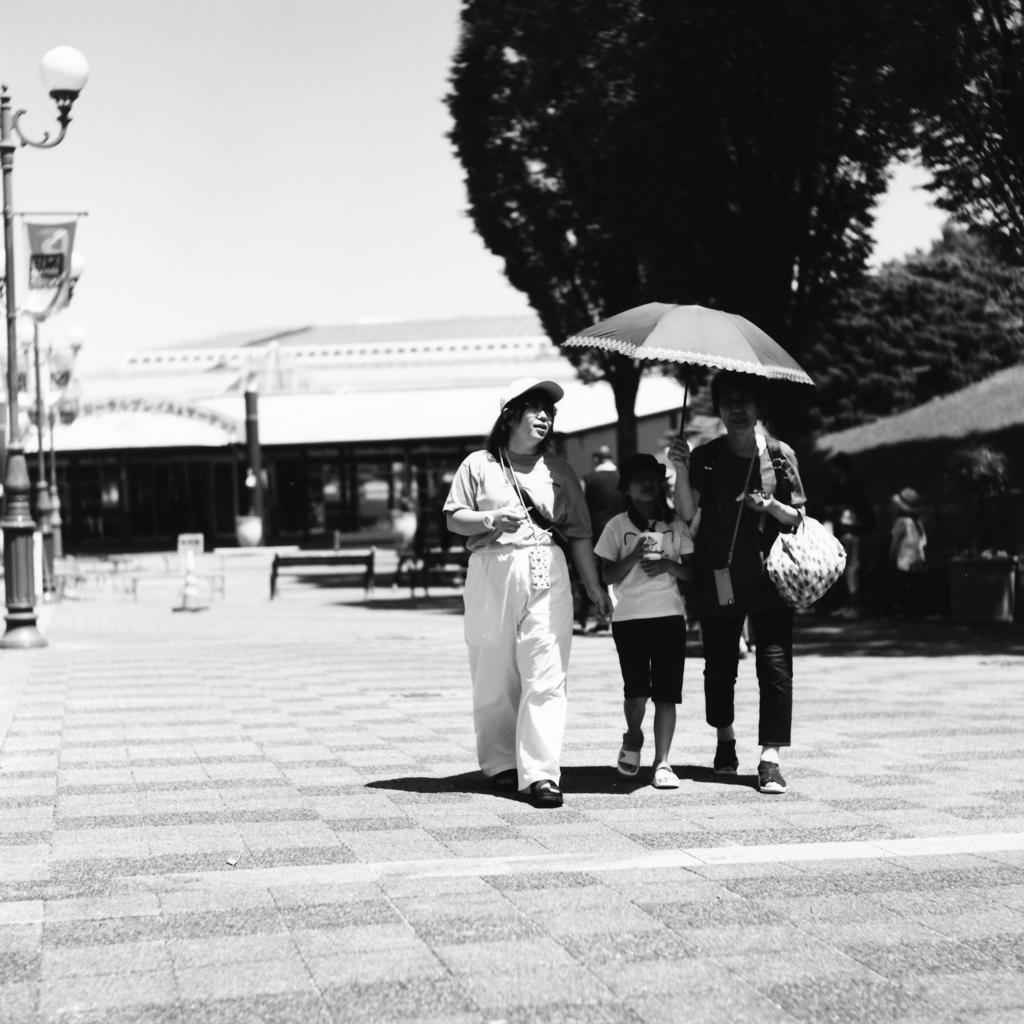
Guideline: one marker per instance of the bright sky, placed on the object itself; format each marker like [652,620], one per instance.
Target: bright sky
[263,163]
[906,219]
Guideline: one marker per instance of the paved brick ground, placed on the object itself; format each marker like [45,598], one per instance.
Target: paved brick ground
[269,812]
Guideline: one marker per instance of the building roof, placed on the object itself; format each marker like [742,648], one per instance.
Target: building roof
[385,381]
[286,419]
[378,332]
[396,355]
[987,407]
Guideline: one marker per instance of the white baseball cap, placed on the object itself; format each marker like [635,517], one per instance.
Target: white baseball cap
[524,384]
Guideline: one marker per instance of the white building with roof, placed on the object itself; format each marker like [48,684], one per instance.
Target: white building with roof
[355,421]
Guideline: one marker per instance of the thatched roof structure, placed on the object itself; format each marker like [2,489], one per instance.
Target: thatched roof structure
[989,407]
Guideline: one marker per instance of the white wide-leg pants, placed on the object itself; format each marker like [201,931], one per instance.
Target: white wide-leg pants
[519,639]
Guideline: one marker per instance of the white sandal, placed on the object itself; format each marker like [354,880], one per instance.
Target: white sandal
[664,777]
[628,763]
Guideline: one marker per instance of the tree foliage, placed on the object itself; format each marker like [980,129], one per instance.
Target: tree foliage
[977,471]
[972,128]
[727,153]
[919,328]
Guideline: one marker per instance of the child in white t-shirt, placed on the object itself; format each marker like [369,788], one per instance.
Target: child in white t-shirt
[646,551]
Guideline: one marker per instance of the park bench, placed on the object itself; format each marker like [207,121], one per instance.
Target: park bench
[439,567]
[326,560]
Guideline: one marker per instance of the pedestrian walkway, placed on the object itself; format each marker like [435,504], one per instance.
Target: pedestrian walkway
[269,812]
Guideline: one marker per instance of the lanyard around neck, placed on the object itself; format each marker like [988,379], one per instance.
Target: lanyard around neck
[503,455]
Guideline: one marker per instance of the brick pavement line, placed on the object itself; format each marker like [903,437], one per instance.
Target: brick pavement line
[15,669]
[787,853]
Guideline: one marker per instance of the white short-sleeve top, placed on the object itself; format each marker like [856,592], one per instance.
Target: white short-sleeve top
[637,595]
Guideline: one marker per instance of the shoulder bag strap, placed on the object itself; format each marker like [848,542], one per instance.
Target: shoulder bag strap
[778,463]
[739,511]
[537,518]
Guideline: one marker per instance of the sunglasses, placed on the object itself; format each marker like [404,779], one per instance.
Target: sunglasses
[537,405]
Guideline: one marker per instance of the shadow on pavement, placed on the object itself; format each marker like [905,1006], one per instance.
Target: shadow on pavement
[585,779]
[382,600]
[894,638]
[577,780]
[464,782]
[701,773]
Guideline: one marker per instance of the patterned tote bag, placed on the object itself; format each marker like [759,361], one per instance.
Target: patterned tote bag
[805,563]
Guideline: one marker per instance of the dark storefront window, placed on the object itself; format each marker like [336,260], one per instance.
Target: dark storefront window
[309,495]
[142,506]
[375,494]
[290,496]
[434,470]
[171,480]
[95,509]
[144,500]
[224,498]
[145,503]
[324,494]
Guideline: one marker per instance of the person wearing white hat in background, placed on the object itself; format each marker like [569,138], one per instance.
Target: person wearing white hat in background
[907,559]
[516,503]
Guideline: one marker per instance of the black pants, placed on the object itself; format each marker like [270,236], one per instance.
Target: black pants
[652,656]
[773,636]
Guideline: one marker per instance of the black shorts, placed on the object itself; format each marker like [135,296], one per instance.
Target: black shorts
[652,655]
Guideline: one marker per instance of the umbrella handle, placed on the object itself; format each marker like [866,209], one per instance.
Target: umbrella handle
[686,395]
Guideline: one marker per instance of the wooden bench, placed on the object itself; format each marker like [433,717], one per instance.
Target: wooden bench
[326,560]
[440,567]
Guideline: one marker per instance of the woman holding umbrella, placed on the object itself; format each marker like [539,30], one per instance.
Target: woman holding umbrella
[747,489]
[516,503]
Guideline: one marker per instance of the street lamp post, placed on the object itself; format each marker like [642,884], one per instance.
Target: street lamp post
[63,398]
[44,509]
[64,71]
[56,523]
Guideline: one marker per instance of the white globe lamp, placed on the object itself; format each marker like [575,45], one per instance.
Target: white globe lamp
[65,71]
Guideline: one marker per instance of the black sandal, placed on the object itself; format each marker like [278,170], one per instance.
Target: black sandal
[545,794]
[505,782]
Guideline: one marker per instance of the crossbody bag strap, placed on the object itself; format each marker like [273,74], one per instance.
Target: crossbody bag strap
[537,518]
[739,511]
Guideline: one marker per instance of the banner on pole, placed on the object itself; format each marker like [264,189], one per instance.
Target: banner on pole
[49,267]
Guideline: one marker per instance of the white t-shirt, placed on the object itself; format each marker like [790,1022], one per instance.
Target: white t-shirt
[911,540]
[638,595]
[546,481]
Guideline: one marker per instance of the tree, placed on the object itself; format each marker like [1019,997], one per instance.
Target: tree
[972,130]
[919,328]
[540,90]
[979,473]
[726,153]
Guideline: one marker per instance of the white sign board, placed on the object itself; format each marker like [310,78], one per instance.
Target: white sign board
[188,542]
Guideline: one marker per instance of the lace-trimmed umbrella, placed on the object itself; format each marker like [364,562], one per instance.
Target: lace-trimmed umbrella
[695,335]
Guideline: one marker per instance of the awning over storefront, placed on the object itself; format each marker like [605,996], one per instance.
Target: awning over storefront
[120,423]
[452,412]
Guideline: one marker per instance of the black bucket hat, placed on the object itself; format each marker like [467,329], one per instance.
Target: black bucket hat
[636,465]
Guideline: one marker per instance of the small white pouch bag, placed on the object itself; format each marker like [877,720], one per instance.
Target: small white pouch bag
[540,567]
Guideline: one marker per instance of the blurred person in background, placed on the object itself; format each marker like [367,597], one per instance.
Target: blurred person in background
[907,541]
[854,519]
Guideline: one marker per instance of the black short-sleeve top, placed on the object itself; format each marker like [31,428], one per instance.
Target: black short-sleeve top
[719,476]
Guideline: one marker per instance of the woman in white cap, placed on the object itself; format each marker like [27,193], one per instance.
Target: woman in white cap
[519,505]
